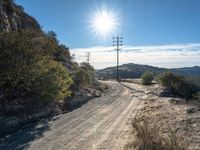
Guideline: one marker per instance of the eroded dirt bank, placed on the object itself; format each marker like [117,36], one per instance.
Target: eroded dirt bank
[164,114]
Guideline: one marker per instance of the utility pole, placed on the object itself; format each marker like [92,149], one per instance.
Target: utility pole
[88,57]
[117,41]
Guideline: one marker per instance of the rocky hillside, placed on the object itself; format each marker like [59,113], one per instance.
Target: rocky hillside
[38,75]
[13,17]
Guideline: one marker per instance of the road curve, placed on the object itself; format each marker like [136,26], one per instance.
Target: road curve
[99,124]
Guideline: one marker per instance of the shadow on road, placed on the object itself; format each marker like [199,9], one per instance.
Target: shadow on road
[165,92]
[20,140]
[131,88]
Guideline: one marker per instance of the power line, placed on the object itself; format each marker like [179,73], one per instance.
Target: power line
[86,57]
[117,41]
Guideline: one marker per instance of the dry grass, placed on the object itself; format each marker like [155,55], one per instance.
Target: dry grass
[148,138]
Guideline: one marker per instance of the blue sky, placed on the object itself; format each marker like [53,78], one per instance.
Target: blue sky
[142,23]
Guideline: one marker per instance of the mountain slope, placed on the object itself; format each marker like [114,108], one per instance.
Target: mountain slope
[135,71]
[188,71]
[128,71]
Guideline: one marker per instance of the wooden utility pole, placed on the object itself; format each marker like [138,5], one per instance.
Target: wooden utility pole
[88,57]
[117,41]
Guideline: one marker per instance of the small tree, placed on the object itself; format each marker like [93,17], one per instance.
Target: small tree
[147,78]
[168,79]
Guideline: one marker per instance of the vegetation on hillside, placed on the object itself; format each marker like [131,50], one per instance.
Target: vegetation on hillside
[147,138]
[36,70]
[29,71]
[84,75]
[38,76]
[129,71]
[147,78]
[178,85]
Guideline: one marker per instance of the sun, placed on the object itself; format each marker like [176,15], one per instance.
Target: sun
[104,23]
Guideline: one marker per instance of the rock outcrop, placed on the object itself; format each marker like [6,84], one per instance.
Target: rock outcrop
[13,17]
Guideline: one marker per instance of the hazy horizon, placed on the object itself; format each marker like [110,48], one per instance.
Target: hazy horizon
[149,65]
[166,56]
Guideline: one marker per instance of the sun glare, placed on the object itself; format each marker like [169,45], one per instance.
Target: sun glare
[104,23]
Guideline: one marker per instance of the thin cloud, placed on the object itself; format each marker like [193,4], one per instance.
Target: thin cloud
[177,55]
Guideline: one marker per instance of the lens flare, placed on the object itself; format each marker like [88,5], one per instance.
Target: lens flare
[104,23]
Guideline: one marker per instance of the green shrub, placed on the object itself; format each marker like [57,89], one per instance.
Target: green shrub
[28,69]
[168,79]
[147,78]
[82,77]
[52,83]
[178,85]
[87,67]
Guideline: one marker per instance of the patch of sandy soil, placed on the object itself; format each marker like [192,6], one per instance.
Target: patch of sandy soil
[162,113]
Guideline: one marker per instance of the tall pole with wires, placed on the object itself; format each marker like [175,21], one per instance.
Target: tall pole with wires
[88,57]
[117,42]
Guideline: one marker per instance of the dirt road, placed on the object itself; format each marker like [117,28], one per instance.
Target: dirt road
[99,124]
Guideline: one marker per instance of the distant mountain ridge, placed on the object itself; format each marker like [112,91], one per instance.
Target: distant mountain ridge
[132,70]
[188,71]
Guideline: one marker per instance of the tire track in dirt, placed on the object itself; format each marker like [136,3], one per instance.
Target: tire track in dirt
[83,127]
[99,124]
[103,123]
[68,120]
[80,124]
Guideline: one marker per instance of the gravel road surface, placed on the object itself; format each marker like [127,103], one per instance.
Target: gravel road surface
[99,124]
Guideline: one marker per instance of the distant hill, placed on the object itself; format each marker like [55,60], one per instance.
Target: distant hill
[136,70]
[188,71]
